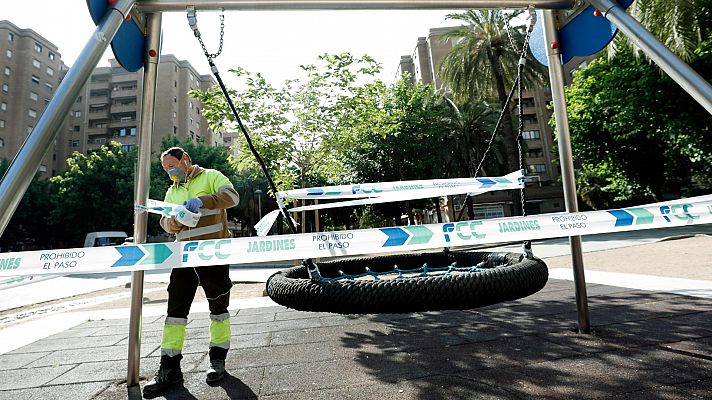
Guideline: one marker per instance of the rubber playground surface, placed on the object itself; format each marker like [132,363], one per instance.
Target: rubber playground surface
[649,341]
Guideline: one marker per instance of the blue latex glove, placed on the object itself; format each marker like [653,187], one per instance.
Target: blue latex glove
[193,204]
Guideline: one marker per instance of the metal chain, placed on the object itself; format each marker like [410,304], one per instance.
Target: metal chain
[194,26]
[510,35]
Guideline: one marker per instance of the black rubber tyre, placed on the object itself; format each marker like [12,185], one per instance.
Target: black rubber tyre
[508,276]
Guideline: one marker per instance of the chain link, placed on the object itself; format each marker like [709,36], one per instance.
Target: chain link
[222,35]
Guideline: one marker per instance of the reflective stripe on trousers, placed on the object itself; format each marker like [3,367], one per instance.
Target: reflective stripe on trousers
[173,336]
[220,330]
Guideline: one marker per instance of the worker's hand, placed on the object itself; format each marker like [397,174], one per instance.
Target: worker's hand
[193,204]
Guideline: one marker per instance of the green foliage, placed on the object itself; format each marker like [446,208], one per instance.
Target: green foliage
[28,225]
[94,194]
[483,64]
[637,135]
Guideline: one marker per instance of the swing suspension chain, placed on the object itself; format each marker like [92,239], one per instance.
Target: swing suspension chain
[193,22]
[517,85]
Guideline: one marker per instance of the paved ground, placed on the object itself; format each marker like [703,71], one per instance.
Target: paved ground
[645,345]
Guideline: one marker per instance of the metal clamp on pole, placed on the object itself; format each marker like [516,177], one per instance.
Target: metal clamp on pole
[193,21]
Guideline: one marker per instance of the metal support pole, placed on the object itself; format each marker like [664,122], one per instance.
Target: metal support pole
[143,175]
[38,142]
[680,72]
[556,76]
[252,5]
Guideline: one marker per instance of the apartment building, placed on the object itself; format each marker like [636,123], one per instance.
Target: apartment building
[31,69]
[544,190]
[110,106]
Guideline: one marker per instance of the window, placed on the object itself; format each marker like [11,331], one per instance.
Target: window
[535,153]
[175,99]
[529,118]
[77,128]
[29,129]
[49,87]
[32,113]
[35,80]
[537,168]
[2,123]
[43,168]
[191,121]
[7,71]
[2,142]
[50,55]
[101,125]
[33,96]
[5,87]
[77,114]
[75,143]
[175,83]
[175,115]
[10,36]
[133,131]
[126,147]
[50,71]
[79,99]
[3,106]
[36,63]
[531,135]
[8,53]
[191,104]
[175,130]
[38,47]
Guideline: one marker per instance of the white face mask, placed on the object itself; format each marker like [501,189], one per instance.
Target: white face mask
[176,174]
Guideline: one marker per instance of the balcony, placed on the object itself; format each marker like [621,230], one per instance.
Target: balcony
[124,108]
[97,131]
[123,123]
[99,99]
[99,85]
[124,93]
[101,113]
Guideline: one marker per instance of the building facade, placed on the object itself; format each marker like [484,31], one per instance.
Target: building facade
[31,69]
[109,109]
[544,190]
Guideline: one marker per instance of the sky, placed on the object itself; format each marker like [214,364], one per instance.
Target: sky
[273,43]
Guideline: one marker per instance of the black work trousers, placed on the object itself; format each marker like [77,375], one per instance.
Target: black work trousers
[216,283]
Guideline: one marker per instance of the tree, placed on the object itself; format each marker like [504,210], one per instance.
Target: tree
[676,23]
[95,193]
[28,227]
[484,63]
[637,135]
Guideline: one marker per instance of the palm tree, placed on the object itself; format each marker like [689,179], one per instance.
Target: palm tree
[675,23]
[484,63]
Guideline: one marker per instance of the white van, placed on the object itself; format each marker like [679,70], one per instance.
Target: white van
[106,238]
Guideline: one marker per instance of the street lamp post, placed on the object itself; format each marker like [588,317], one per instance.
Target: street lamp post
[258,192]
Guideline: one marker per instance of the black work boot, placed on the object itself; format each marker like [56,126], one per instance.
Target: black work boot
[168,374]
[216,371]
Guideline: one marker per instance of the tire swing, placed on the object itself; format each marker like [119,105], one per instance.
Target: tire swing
[401,283]
[388,284]
[417,282]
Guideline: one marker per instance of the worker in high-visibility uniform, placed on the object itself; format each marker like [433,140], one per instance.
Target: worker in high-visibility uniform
[210,193]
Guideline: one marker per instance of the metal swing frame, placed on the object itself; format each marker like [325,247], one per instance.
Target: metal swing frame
[23,167]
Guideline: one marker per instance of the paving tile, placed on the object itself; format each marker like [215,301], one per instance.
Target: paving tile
[78,356]
[261,310]
[22,378]
[12,361]
[278,355]
[279,326]
[58,392]
[46,345]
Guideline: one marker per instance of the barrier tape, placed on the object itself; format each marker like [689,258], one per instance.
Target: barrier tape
[159,256]
[514,180]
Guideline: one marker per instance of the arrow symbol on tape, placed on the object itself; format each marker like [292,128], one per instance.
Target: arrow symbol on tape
[625,218]
[315,192]
[421,234]
[396,236]
[486,182]
[157,253]
[130,255]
